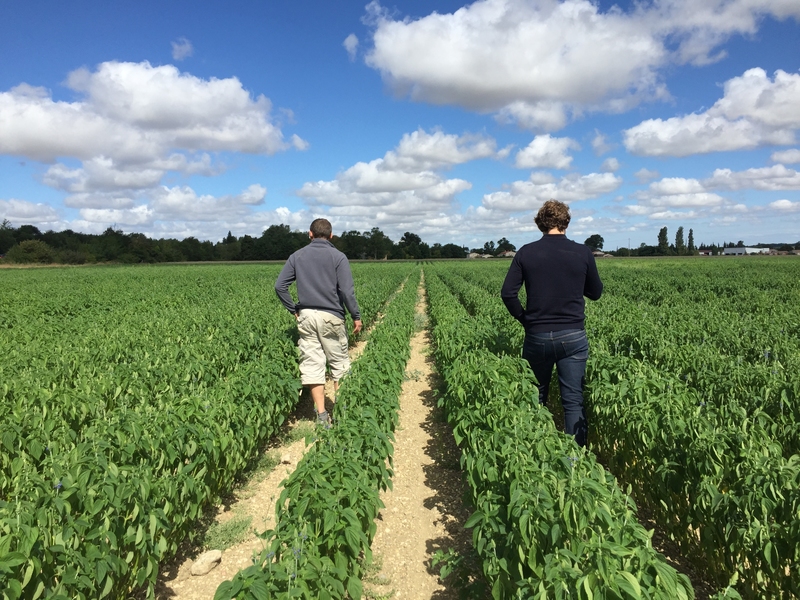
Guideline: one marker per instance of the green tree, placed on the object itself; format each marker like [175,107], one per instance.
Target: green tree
[489,248]
[595,242]
[7,239]
[353,244]
[31,251]
[690,246]
[412,246]
[663,242]
[503,245]
[680,246]
[378,246]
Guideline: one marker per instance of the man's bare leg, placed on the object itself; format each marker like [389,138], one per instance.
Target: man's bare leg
[318,396]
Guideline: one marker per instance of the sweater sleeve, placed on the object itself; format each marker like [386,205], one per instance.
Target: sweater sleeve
[347,288]
[593,287]
[510,291]
[285,279]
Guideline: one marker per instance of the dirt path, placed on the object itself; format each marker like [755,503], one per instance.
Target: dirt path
[254,502]
[424,511]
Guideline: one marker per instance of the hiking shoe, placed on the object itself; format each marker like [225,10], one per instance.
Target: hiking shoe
[324,419]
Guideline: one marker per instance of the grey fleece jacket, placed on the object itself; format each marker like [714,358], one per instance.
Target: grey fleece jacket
[324,280]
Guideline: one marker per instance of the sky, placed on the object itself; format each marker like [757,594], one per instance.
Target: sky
[454,121]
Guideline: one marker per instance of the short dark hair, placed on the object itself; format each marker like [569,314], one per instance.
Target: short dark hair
[321,228]
[553,214]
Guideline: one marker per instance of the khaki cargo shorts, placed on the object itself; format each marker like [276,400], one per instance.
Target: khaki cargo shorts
[323,337]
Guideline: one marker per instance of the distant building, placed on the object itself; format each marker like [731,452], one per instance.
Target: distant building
[507,254]
[745,250]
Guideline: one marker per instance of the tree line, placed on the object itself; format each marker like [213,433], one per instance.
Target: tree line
[27,244]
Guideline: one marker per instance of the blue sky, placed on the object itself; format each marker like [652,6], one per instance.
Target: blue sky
[454,121]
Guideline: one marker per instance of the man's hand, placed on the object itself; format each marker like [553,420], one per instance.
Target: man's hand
[356,326]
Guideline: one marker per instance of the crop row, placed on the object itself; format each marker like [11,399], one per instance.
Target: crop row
[125,415]
[326,514]
[550,522]
[708,449]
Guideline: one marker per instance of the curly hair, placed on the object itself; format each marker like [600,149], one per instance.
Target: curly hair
[553,214]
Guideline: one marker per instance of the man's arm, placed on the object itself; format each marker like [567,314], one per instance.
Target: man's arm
[593,287]
[510,291]
[285,279]
[344,280]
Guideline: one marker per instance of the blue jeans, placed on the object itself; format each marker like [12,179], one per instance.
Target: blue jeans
[568,350]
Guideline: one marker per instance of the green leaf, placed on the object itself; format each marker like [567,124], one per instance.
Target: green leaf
[629,584]
[354,588]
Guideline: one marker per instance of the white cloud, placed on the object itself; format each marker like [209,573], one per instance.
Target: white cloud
[182,48]
[776,177]
[182,203]
[22,212]
[786,156]
[351,45]
[645,175]
[410,170]
[662,197]
[106,174]
[785,206]
[132,217]
[531,194]
[599,144]
[539,62]
[404,189]
[610,165]
[546,152]
[134,112]
[534,60]
[753,111]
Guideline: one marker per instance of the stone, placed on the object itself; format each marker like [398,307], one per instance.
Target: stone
[286,459]
[206,562]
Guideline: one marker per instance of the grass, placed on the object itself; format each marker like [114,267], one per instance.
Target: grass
[372,578]
[221,536]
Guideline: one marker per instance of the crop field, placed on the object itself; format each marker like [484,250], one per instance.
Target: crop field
[131,398]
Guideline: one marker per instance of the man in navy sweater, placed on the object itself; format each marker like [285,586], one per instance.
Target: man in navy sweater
[557,274]
[324,288]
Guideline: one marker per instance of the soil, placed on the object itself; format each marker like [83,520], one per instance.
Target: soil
[423,511]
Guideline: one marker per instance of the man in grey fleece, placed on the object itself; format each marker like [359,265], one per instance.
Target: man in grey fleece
[324,288]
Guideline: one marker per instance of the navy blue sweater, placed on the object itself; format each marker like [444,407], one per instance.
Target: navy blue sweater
[557,274]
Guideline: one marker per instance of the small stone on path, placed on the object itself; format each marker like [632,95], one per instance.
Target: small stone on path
[206,562]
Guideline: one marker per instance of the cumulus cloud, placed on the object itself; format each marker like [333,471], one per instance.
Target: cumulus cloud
[404,188]
[161,205]
[599,144]
[133,125]
[785,206]
[786,156]
[540,62]
[135,112]
[754,110]
[351,45]
[24,212]
[610,165]
[181,49]
[531,194]
[645,175]
[774,178]
[665,198]
[532,60]
[546,152]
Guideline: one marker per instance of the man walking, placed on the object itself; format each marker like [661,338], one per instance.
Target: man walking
[557,274]
[324,288]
